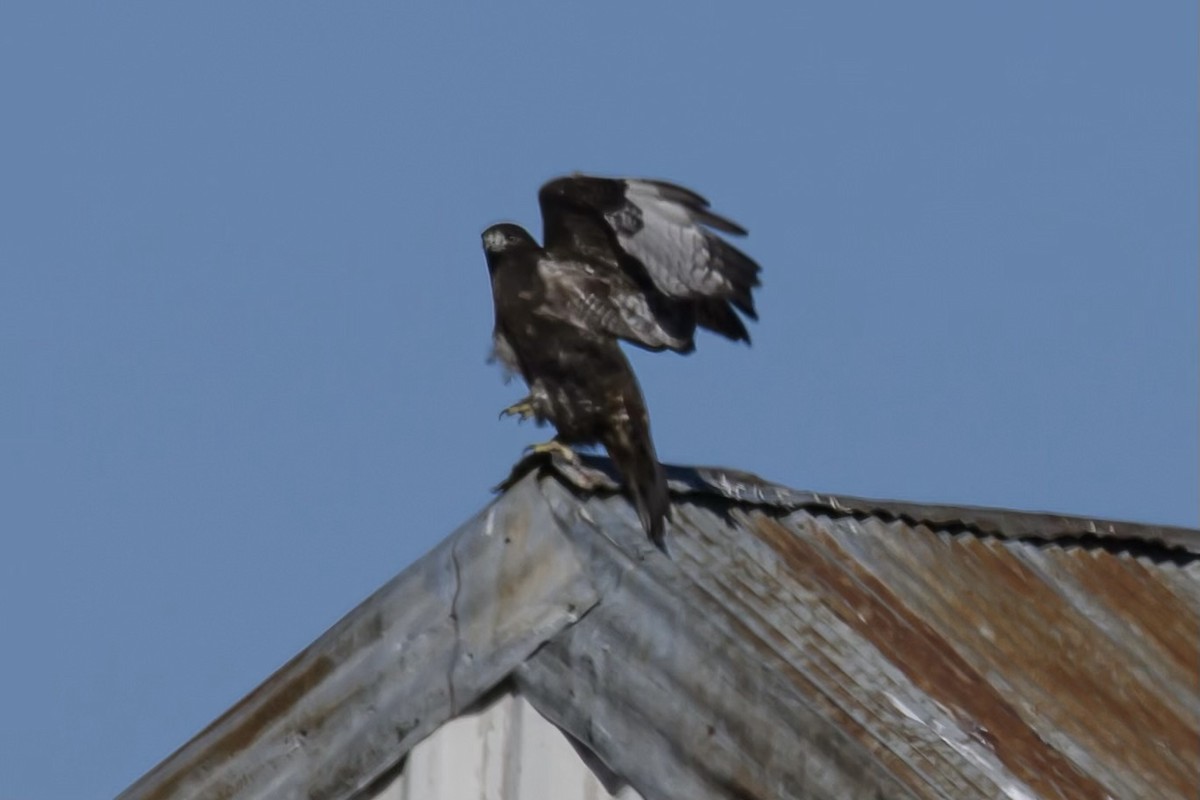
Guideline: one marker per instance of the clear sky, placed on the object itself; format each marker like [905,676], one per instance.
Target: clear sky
[244,312]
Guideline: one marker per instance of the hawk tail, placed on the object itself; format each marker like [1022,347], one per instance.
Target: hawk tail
[644,479]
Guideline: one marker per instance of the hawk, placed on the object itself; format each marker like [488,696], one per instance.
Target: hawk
[623,259]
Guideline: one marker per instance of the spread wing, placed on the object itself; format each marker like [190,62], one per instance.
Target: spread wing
[597,300]
[662,236]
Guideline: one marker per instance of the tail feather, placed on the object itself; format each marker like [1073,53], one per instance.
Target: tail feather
[644,479]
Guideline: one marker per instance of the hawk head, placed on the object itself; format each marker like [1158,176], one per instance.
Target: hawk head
[505,238]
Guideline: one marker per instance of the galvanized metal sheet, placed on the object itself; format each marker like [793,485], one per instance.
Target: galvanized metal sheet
[792,645]
[676,694]
[424,647]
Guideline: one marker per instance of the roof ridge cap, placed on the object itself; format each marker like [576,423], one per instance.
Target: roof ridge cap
[596,474]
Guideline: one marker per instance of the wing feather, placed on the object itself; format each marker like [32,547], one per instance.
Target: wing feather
[661,235]
[502,353]
[697,204]
[667,229]
[595,301]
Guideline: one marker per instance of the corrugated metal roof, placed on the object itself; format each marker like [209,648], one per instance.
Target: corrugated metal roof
[792,645]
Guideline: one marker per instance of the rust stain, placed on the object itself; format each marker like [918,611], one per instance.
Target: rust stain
[1098,699]
[1130,591]
[841,720]
[1066,674]
[869,607]
[771,642]
[1063,669]
[273,702]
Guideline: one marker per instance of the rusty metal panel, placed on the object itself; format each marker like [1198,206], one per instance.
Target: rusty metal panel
[972,665]
[1049,672]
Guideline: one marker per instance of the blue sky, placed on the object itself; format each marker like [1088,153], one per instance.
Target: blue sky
[244,313]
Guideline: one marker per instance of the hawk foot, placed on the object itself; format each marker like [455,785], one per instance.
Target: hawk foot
[554,448]
[521,408]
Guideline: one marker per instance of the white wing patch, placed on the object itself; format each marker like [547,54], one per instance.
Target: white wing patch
[670,242]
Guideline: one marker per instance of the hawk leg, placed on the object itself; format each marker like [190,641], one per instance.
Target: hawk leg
[554,448]
[521,408]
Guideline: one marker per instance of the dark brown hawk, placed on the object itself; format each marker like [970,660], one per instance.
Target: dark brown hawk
[623,259]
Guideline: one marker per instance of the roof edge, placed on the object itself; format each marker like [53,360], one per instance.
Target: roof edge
[411,656]
[1161,543]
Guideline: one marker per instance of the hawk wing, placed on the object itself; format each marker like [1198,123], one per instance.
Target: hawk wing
[597,300]
[663,237]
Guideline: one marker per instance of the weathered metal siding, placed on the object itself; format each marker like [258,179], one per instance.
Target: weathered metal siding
[792,645]
[504,751]
[342,714]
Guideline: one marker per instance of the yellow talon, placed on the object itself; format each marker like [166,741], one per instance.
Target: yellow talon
[553,448]
[521,408]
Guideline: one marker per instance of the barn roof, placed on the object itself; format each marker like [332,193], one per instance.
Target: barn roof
[792,644]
